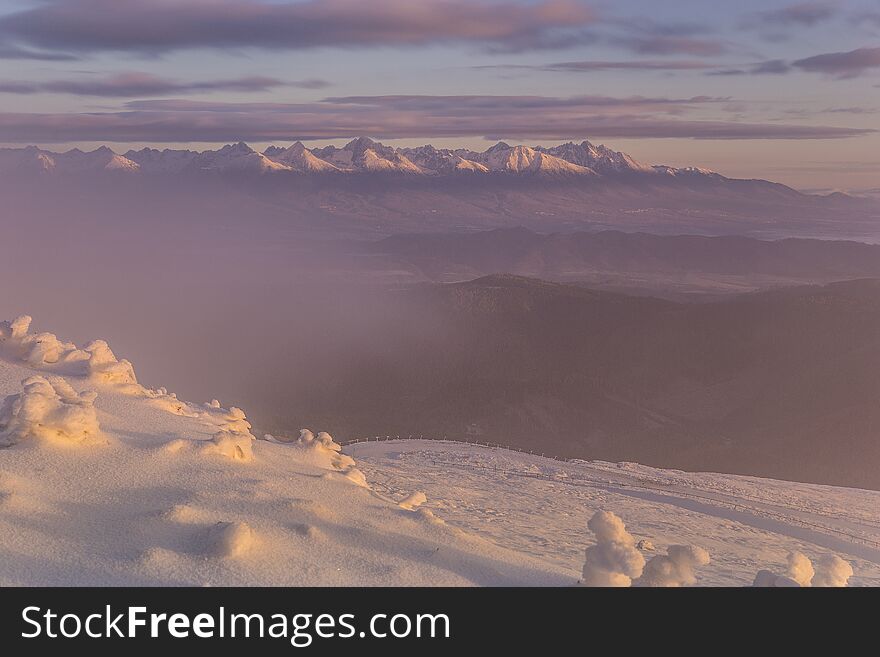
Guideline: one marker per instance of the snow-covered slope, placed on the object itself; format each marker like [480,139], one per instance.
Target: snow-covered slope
[540,506]
[104,481]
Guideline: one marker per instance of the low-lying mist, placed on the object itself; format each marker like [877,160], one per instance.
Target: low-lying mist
[206,295]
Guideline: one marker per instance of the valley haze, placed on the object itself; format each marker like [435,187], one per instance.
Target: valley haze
[447,292]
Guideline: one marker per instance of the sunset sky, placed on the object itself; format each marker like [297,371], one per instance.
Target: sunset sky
[755,88]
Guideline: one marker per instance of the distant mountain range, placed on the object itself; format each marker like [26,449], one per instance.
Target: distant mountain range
[673,266]
[366,187]
[782,383]
[361,155]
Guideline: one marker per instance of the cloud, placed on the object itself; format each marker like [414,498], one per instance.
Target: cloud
[772,66]
[648,37]
[390,117]
[606,65]
[13,52]
[797,14]
[841,64]
[493,104]
[144,84]
[769,67]
[675,45]
[157,26]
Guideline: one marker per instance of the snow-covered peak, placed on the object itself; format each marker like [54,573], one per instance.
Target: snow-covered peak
[364,154]
[103,158]
[500,146]
[441,161]
[358,155]
[598,158]
[152,160]
[30,159]
[236,157]
[522,159]
[299,158]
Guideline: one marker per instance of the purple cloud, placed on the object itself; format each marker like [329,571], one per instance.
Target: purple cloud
[164,25]
[604,65]
[675,45]
[841,64]
[799,13]
[14,52]
[511,117]
[492,104]
[127,85]
[646,36]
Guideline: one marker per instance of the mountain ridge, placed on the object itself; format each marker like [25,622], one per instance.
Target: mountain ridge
[360,155]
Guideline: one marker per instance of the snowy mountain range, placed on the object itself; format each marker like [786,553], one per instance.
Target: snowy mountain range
[361,155]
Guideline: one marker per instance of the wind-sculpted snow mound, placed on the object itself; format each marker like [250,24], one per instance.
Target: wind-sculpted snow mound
[235,446]
[322,451]
[97,364]
[675,568]
[614,560]
[829,571]
[49,408]
[44,351]
[832,571]
[800,568]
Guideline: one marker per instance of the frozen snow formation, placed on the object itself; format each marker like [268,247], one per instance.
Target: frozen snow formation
[48,408]
[675,568]
[831,570]
[800,568]
[232,445]
[414,501]
[45,351]
[614,560]
[97,363]
[321,450]
[799,572]
[769,579]
[229,539]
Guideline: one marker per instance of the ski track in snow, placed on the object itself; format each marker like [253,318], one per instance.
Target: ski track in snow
[540,506]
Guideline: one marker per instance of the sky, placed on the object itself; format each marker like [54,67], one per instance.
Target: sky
[788,91]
